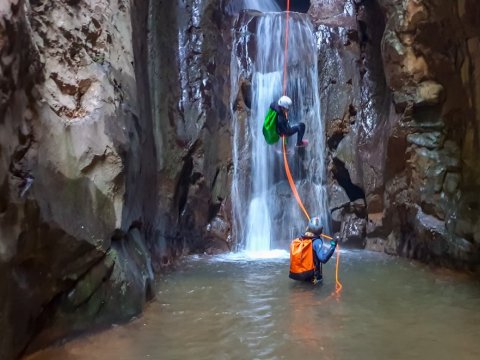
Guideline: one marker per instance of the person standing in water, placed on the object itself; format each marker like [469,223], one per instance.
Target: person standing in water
[309,252]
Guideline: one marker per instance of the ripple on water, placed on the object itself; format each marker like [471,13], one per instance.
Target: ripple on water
[236,307]
[243,256]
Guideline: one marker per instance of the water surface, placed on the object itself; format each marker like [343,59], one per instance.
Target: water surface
[239,307]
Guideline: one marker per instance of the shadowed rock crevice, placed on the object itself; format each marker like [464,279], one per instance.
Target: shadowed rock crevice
[246,90]
[334,139]
[183,185]
[341,175]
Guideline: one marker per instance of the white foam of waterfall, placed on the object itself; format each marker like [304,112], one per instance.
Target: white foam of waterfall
[258,233]
[262,5]
[266,213]
[258,5]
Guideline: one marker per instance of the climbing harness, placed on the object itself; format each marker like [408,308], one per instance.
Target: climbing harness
[338,285]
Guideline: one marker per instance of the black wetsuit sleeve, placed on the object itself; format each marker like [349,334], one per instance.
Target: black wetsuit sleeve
[283,127]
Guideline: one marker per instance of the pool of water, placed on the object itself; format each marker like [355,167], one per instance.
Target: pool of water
[240,306]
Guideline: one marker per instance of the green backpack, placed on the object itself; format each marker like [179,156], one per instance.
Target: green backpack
[270,127]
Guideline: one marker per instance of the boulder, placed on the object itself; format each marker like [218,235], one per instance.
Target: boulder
[432,140]
[337,197]
[428,93]
[353,230]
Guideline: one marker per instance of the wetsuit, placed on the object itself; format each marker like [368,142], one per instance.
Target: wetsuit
[283,125]
[322,252]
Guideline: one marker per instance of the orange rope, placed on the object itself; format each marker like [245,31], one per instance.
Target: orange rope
[285,75]
[290,179]
[338,285]
[285,61]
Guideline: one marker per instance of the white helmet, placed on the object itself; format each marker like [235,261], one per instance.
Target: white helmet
[285,102]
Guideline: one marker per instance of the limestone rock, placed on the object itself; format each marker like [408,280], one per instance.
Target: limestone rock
[428,93]
[353,230]
[375,244]
[388,245]
[430,140]
[337,196]
[451,183]
[65,169]
[347,154]
[409,158]
[374,203]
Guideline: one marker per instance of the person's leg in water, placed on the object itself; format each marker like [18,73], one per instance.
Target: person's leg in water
[317,247]
[317,276]
[300,130]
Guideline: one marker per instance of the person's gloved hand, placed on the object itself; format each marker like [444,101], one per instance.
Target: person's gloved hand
[335,240]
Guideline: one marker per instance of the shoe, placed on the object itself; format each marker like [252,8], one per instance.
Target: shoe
[316,280]
[303,144]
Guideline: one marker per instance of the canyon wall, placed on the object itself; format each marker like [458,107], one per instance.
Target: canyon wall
[72,250]
[187,60]
[114,157]
[399,89]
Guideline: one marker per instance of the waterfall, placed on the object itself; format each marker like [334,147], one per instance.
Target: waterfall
[234,6]
[261,5]
[265,212]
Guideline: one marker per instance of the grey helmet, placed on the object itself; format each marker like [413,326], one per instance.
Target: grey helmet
[315,226]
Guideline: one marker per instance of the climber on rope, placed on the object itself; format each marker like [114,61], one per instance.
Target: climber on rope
[309,252]
[276,123]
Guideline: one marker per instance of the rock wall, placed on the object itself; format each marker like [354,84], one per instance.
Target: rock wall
[115,157]
[401,102]
[72,251]
[188,61]
[114,146]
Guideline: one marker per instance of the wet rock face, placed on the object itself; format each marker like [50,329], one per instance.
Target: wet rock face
[188,51]
[401,107]
[110,151]
[353,104]
[68,129]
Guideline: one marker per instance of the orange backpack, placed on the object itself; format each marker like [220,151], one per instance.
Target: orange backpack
[302,266]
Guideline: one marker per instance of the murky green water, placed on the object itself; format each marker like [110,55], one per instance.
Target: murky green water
[231,307]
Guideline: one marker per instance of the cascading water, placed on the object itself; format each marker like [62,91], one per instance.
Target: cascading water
[259,5]
[266,214]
